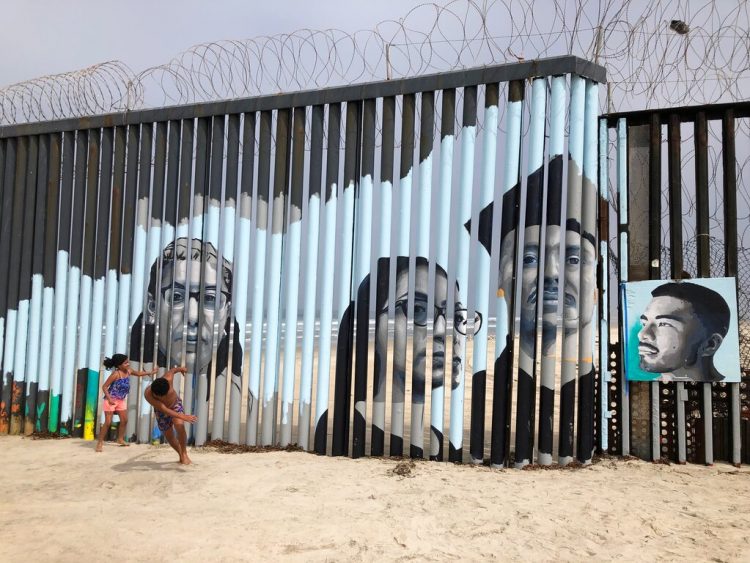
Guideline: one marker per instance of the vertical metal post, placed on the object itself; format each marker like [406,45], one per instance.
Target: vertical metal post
[482,269]
[138,312]
[654,257]
[196,387]
[704,264]
[587,288]
[552,269]
[278,228]
[169,237]
[623,413]
[363,249]
[437,407]
[113,284]
[10,147]
[101,229]
[204,364]
[343,382]
[421,279]
[243,232]
[14,271]
[3,304]
[115,243]
[30,290]
[229,355]
[293,248]
[573,245]
[329,268]
[86,391]
[259,275]
[463,240]
[311,276]
[24,288]
[675,244]
[402,275]
[530,278]
[44,395]
[504,328]
[61,281]
[729,168]
[228,345]
[377,444]
[182,224]
[33,377]
[603,299]
[127,297]
[74,283]
[153,281]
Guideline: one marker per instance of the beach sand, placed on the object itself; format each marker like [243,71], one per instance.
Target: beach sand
[60,501]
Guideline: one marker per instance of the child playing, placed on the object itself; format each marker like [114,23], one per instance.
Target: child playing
[116,390]
[170,413]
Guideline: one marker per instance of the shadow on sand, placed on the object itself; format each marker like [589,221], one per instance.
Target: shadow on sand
[138,464]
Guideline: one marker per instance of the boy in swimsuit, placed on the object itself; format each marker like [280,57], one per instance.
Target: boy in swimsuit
[170,413]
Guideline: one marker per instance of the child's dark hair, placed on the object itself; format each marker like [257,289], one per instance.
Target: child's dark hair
[115,361]
[160,387]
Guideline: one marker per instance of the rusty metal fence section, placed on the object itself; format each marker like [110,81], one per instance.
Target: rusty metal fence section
[675,172]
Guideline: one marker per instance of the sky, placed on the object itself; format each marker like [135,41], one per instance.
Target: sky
[50,37]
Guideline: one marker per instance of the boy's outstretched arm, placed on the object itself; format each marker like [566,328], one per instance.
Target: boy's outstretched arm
[177,369]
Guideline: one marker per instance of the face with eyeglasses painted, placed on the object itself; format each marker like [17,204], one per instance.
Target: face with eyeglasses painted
[187,313]
[422,315]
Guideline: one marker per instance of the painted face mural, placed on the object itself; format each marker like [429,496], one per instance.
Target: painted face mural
[185,332]
[681,331]
[204,308]
[421,314]
[578,252]
[671,336]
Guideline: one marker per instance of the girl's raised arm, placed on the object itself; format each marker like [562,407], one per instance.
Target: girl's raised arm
[143,373]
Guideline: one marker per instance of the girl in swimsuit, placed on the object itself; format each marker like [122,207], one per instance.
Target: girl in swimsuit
[116,390]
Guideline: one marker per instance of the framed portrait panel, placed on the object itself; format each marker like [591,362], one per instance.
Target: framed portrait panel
[681,330]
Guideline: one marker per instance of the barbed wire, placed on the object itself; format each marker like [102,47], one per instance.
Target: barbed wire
[650,61]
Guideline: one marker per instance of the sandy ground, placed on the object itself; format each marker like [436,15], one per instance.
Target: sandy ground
[62,502]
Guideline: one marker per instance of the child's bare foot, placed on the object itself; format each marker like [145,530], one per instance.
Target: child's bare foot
[122,443]
[99,447]
[184,459]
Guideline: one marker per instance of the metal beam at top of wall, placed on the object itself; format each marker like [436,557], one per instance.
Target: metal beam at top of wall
[567,64]
[685,114]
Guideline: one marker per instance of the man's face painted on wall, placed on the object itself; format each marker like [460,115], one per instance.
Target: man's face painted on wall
[551,286]
[671,336]
[529,292]
[421,317]
[578,253]
[185,294]
[579,260]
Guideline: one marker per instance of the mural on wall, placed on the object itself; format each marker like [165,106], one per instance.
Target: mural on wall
[207,302]
[157,231]
[682,330]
